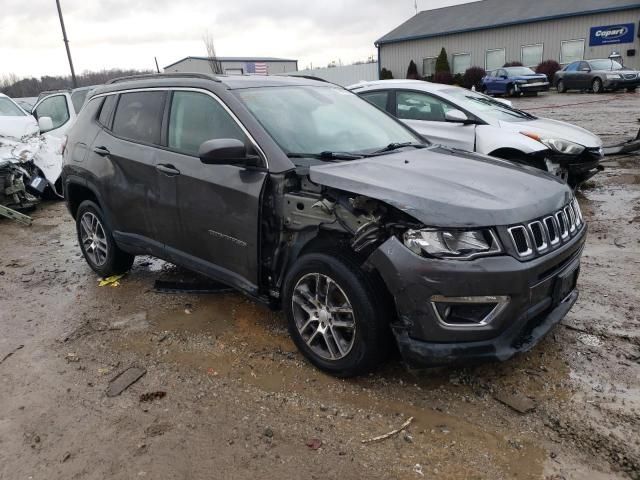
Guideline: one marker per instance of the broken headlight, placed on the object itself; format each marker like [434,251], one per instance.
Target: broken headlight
[557,144]
[457,244]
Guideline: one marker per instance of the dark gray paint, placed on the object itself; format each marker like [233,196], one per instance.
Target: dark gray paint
[443,187]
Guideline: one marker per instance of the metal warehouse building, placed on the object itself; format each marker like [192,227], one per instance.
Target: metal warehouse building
[489,33]
[235,65]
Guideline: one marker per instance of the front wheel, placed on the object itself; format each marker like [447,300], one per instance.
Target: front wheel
[335,314]
[97,244]
[596,86]
[631,89]
[560,87]
[511,90]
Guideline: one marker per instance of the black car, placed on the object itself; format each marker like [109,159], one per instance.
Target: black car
[597,76]
[304,196]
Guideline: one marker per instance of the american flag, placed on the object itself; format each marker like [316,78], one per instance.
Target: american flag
[257,68]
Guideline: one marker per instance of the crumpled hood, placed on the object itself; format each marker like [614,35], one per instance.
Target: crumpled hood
[441,187]
[555,129]
[18,127]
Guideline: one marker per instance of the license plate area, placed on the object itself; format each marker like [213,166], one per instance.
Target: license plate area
[565,284]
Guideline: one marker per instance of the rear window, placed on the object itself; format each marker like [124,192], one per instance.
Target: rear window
[139,116]
[107,109]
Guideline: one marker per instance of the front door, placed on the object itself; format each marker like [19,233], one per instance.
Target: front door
[218,205]
[426,114]
[58,109]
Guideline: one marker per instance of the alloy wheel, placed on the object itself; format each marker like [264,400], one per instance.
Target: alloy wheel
[323,316]
[94,240]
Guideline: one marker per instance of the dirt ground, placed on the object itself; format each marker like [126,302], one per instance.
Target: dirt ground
[242,403]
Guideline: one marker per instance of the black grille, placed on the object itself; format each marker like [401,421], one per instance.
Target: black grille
[539,236]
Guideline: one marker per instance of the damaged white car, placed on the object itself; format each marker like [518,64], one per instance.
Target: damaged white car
[30,163]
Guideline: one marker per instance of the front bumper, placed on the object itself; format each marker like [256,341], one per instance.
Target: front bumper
[532,87]
[534,305]
[580,168]
[614,84]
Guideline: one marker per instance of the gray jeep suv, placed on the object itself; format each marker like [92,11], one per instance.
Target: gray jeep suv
[304,196]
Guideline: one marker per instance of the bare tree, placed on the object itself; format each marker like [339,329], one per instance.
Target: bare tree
[214,63]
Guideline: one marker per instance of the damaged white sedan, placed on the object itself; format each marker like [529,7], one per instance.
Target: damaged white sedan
[30,163]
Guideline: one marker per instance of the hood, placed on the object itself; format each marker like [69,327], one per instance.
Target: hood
[555,129]
[441,187]
[18,127]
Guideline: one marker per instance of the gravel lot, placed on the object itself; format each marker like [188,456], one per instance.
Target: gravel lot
[242,403]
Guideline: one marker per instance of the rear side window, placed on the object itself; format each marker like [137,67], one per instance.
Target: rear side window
[379,99]
[54,107]
[107,109]
[139,116]
[78,98]
[196,118]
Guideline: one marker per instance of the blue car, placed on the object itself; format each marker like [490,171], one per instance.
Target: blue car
[514,81]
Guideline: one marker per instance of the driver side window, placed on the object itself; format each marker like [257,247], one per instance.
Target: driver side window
[420,106]
[195,118]
[54,107]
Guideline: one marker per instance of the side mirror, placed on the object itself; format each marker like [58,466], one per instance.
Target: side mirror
[45,124]
[504,77]
[456,116]
[226,151]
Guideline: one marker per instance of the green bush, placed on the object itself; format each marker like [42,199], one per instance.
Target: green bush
[442,62]
[513,64]
[412,71]
[443,77]
[386,74]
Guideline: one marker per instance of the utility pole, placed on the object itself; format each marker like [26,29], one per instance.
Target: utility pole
[415,4]
[157,67]
[66,44]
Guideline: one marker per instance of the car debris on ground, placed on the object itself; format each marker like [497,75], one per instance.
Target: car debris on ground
[124,380]
[389,434]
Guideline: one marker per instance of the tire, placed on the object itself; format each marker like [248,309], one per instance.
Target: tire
[97,244]
[560,87]
[631,90]
[361,341]
[511,91]
[596,86]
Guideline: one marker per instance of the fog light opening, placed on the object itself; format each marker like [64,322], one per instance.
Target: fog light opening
[468,312]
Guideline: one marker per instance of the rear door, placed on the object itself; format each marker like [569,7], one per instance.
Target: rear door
[426,114]
[125,151]
[218,205]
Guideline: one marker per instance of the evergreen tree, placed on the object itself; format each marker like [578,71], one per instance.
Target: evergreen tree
[442,62]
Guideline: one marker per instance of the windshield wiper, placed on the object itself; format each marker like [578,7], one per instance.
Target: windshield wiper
[395,146]
[327,155]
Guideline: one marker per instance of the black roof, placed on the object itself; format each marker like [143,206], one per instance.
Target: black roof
[485,14]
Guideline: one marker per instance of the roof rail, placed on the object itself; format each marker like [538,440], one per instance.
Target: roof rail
[308,77]
[148,76]
[49,92]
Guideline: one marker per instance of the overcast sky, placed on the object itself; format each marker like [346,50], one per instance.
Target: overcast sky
[107,34]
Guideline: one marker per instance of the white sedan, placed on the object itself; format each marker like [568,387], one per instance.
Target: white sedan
[468,120]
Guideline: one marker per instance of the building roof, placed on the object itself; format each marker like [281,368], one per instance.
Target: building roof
[236,59]
[485,14]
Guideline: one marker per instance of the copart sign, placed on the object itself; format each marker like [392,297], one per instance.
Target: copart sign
[612,34]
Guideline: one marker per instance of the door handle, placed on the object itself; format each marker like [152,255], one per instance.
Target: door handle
[102,151]
[168,169]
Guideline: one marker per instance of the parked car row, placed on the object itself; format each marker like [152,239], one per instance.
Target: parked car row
[305,196]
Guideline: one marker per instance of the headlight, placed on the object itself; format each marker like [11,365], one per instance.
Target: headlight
[614,76]
[459,244]
[557,144]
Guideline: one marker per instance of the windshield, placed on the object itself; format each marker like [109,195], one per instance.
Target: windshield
[314,120]
[9,109]
[605,65]
[486,106]
[520,71]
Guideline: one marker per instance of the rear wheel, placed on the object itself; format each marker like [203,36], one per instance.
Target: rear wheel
[335,317]
[596,86]
[97,244]
[631,89]
[560,87]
